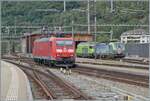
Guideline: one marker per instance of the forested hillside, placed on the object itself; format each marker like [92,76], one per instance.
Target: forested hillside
[125,12]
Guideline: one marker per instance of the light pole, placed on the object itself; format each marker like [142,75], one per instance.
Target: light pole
[9,43]
[149,53]
[88,15]
[13,42]
[64,6]
[95,28]
[72,30]
[29,42]
[111,6]
[95,20]
[111,34]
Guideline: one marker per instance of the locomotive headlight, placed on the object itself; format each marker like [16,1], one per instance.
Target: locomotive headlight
[119,51]
[58,50]
[70,50]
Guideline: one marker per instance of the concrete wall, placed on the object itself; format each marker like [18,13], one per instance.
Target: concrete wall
[140,50]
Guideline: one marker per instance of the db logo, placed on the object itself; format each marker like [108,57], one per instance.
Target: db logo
[65,49]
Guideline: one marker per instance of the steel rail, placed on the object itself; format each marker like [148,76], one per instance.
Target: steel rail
[66,85]
[113,64]
[71,87]
[42,85]
[115,76]
[136,61]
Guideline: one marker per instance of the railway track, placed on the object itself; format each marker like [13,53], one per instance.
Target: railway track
[134,79]
[136,61]
[46,93]
[53,86]
[17,58]
[132,63]
[138,80]
[115,63]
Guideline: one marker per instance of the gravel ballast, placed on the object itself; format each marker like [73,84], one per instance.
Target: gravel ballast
[101,88]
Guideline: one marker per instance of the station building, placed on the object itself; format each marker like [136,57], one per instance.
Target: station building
[135,36]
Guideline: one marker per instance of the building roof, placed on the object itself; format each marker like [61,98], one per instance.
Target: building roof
[135,32]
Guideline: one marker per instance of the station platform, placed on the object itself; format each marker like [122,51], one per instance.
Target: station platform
[14,84]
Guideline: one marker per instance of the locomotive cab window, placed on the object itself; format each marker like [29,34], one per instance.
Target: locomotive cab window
[69,42]
[120,45]
[64,43]
[91,47]
[60,43]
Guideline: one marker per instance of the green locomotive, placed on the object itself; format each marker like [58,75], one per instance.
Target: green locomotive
[85,49]
[91,49]
[116,49]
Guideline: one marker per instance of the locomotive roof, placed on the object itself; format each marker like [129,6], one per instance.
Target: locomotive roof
[87,43]
[48,39]
[42,40]
[102,44]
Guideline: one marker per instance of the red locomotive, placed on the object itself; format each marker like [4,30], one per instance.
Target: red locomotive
[54,51]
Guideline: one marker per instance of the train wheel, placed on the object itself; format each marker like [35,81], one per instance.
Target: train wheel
[97,57]
[44,62]
[38,61]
